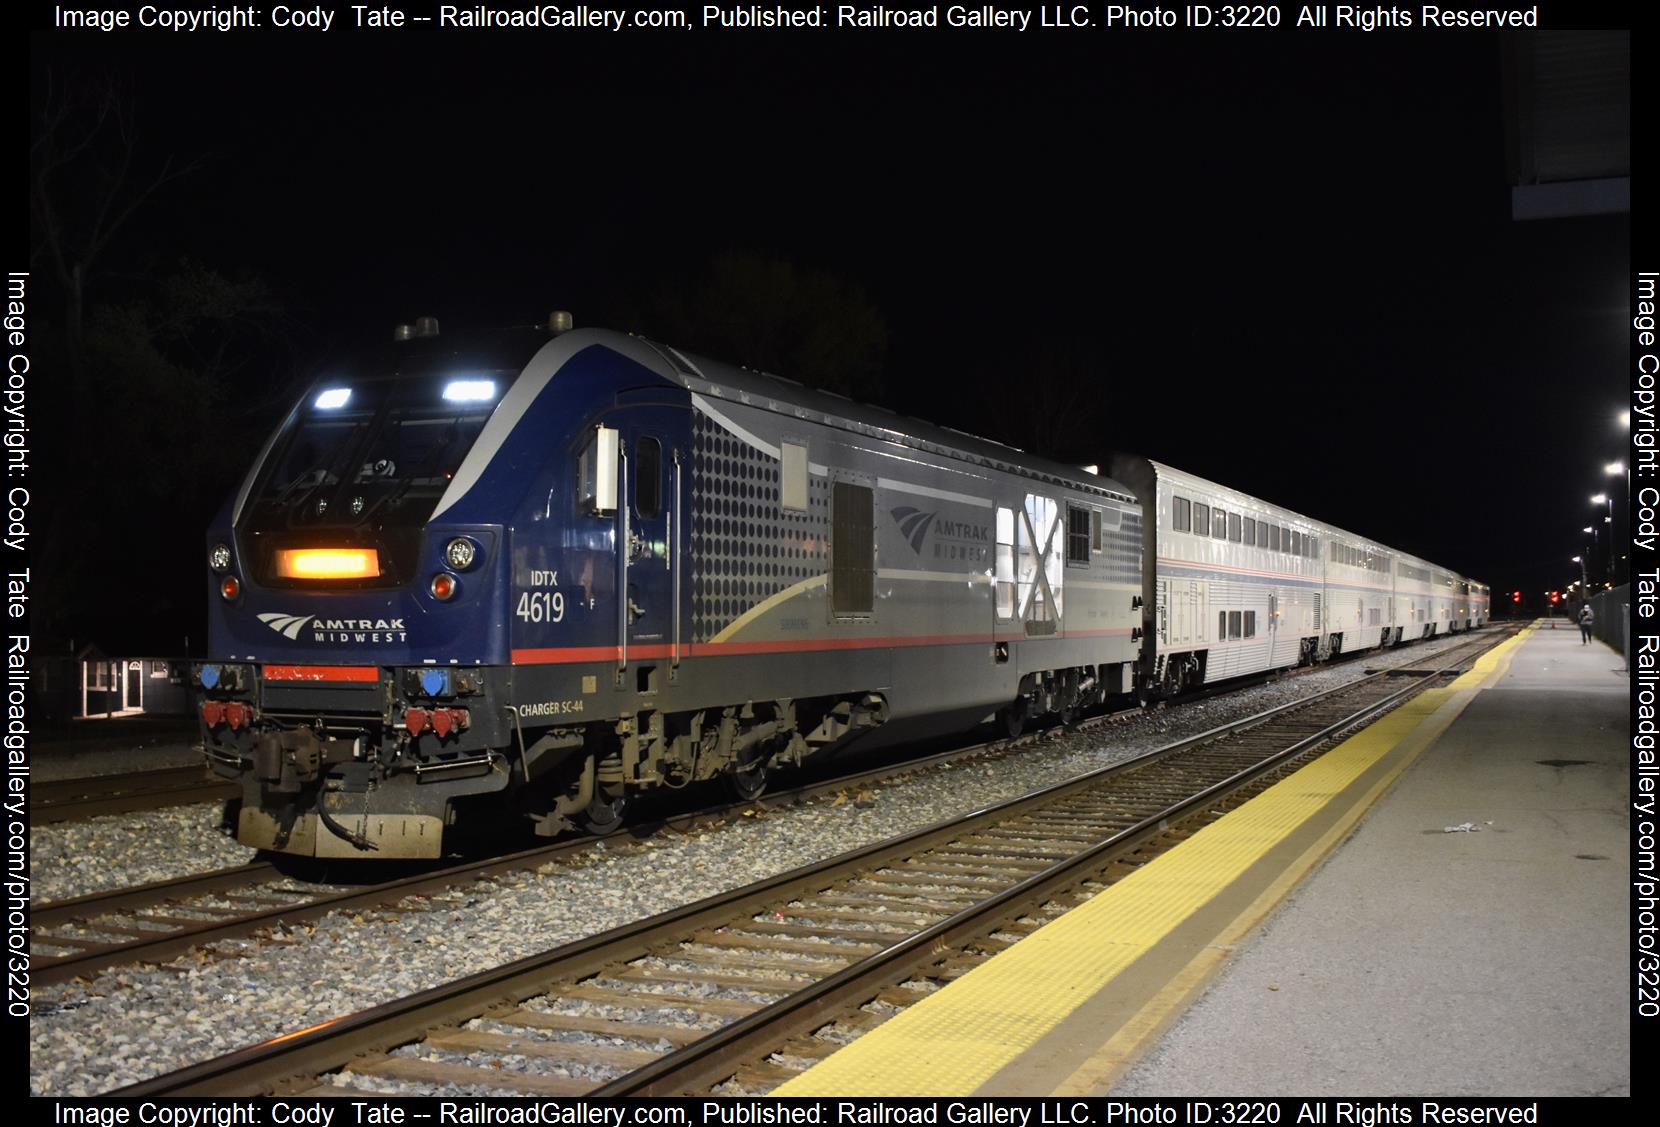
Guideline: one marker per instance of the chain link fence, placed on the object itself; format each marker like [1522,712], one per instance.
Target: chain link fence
[1612,618]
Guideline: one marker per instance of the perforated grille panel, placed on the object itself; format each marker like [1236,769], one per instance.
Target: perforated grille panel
[744,547]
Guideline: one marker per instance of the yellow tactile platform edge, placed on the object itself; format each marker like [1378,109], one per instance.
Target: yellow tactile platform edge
[953,1041]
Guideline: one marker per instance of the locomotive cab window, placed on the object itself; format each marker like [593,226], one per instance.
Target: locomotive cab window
[852,551]
[648,490]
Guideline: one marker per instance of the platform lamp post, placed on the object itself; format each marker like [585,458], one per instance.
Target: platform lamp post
[1584,581]
[1607,499]
[1618,470]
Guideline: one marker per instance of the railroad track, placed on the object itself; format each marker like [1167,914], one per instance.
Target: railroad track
[72,800]
[743,990]
[78,937]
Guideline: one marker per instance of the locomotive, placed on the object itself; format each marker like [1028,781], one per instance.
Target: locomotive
[533,574]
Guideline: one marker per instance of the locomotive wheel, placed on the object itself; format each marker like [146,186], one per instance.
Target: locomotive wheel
[604,816]
[748,783]
[1013,718]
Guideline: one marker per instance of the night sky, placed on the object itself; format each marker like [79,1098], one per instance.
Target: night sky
[1284,263]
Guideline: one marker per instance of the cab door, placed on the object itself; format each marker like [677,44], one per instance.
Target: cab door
[650,550]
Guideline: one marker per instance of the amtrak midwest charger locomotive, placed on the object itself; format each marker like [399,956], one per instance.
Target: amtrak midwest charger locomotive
[532,574]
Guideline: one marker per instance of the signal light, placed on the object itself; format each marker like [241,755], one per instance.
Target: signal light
[1515,596]
[229,588]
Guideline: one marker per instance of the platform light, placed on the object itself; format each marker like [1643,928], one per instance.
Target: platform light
[1600,499]
[332,398]
[1614,468]
[328,563]
[470,391]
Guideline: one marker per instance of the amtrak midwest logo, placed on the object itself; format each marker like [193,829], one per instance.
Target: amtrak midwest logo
[337,630]
[952,539]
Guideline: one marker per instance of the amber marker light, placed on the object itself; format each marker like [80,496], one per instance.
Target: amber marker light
[328,563]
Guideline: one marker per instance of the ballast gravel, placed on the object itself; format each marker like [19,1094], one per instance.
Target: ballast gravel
[121,850]
[135,1022]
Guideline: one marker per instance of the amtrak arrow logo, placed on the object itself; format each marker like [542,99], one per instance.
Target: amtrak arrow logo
[288,625]
[913,524]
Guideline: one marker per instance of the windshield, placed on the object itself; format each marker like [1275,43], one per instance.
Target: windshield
[364,463]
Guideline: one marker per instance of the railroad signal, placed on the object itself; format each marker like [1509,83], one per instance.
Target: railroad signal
[1515,596]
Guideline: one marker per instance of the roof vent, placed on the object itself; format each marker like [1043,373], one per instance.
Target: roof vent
[559,321]
[403,333]
[426,326]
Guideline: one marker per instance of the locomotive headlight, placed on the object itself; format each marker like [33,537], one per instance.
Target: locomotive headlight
[460,553]
[443,586]
[219,559]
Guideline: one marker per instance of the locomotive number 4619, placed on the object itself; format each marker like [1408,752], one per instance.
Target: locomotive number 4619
[541,606]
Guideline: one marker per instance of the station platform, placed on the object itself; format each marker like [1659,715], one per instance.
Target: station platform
[1469,938]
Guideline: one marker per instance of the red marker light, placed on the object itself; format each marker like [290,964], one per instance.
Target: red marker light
[230,588]
[443,586]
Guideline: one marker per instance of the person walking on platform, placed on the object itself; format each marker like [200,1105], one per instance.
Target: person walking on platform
[1586,618]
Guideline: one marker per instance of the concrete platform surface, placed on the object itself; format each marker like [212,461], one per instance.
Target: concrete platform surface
[1487,960]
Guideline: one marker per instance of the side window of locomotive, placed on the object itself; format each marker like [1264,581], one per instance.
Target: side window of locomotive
[1234,527]
[1201,519]
[793,484]
[1077,535]
[1181,518]
[648,490]
[596,473]
[1005,564]
[852,550]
